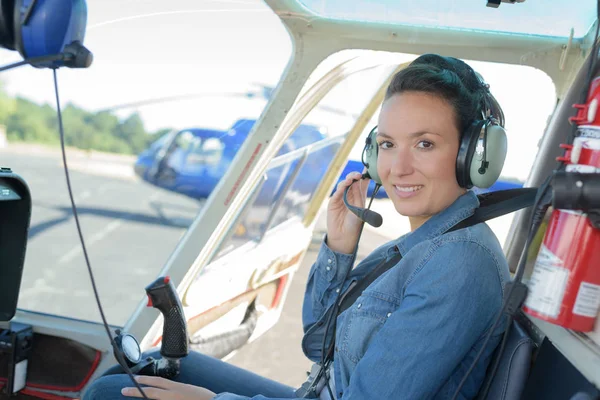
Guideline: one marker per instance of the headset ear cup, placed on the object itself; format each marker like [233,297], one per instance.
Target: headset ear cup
[18,27]
[48,26]
[495,155]
[7,27]
[468,144]
[370,156]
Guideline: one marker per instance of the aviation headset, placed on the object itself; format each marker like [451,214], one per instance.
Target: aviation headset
[475,166]
[49,33]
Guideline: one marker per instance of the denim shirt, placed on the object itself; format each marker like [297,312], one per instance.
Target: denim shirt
[415,331]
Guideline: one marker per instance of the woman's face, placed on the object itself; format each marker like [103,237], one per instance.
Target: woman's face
[418,143]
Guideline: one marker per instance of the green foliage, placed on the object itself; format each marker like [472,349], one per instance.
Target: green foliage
[7,105]
[27,121]
[31,123]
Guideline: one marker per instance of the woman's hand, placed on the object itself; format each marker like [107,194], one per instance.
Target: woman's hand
[343,227]
[164,389]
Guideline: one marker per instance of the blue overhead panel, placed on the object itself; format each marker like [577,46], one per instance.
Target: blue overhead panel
[532,17]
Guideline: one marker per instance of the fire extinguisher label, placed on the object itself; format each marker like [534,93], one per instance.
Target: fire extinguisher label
[587,303]
[590,169]
[547,284]
[589,131]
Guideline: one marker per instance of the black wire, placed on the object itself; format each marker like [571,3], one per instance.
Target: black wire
[118,354]
[328,386]
[536,219]
[487,387]
[336,305]
[333,315]
[537,215]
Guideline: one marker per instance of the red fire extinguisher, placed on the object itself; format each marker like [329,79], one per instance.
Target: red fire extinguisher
[564,288]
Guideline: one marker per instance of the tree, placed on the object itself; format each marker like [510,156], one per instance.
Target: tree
[7,104]
[102,131]
[31,123]
[132,131]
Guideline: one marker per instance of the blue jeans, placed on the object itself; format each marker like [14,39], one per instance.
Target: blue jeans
[199,370]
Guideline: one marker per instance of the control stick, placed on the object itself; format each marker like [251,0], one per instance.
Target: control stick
[163,296]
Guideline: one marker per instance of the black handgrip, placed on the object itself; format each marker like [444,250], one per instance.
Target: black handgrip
[163,296]
[576,191]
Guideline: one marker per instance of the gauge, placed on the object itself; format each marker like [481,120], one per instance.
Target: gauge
[129,347]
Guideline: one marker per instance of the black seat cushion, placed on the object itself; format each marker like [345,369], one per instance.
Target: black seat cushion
[515,362]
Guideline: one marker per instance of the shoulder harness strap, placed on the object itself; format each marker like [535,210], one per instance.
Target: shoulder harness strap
[491,205]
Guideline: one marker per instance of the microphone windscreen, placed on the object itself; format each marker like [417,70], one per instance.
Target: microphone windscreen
[372,218]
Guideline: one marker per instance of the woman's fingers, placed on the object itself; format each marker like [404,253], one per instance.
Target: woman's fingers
[150,392]
[156,381]
[343,184]
[350,179]
[160,389]
[359,187]
[164,389]
[354,175]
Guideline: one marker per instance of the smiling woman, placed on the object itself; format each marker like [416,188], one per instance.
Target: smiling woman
[417,154]
[424,121]
[414,310]
[410,332]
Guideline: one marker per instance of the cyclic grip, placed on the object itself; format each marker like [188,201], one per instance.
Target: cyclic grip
[163,296]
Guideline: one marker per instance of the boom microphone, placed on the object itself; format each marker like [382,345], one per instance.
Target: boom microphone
[364,214]
[75,55]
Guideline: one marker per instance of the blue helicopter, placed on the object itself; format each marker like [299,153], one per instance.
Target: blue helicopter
[192,161]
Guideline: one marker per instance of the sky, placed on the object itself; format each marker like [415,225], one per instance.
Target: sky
[217,50]
[145,49]
[547,17]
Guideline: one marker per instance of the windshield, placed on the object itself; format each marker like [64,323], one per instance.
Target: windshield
[546,18]
[155,124]
[147,129]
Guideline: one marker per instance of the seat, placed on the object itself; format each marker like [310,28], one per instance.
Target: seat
[515,362]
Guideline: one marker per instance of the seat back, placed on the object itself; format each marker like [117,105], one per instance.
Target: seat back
[515,362]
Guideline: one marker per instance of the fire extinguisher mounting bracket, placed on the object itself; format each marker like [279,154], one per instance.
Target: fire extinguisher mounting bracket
[516,296]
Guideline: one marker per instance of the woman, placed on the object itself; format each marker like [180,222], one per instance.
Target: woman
[415,331]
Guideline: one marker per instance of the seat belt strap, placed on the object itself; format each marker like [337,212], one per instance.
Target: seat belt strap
[492,205]
[497,204]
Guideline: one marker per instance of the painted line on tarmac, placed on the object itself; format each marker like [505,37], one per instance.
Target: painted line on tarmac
[75,251]
[82,196]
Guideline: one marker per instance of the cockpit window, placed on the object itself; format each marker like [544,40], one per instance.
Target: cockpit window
[184,140]
[293,177]
[545,18]
[205,152]
[157,145]
[155,104]
[135,205]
